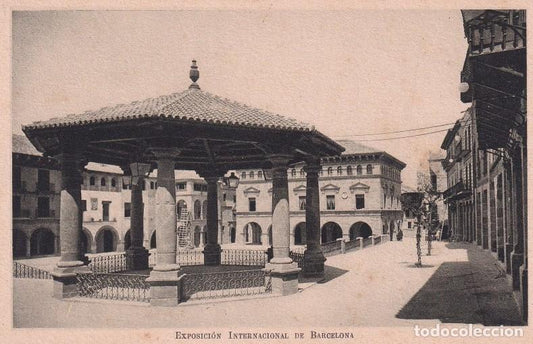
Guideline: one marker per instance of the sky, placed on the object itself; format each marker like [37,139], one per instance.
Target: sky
[347,72]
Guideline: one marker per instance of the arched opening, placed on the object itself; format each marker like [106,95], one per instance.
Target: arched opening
[19,243]
[42,242]
[232,234]
[196,236]
[197,210]
[85,241]
[181,209]
[153,240]
[360,229]
[270,235]
[127,240]
[205,234]
[252,233]
[300,234]
[106,240]
[331,231]
[102,182]
[204,210]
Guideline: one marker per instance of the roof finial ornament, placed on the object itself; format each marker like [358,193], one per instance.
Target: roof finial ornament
[194,75]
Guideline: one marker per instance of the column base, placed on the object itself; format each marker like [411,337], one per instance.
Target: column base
[137,258]
[212,254]
[284,278]
[165,288]
[313,263]
[516,261]
[65,282]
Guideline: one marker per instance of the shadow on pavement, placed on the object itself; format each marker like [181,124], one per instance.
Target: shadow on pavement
[469,292]
[330,273]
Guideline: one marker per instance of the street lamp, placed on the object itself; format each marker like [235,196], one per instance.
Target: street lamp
[232,181]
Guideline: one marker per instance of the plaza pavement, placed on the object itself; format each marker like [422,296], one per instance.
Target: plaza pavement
[378,286]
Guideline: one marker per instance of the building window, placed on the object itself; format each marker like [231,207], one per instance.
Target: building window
[92,181]
[251,204]
[252,175]
[330,171]
[359,170]
[360,201]
[152,185]
[102,182]
[349,170]
[224,196]
[181,186]
[127,209]
[243,175]
[409,224]
[43,207]
[94,203]
[293,172]
[302,172]
[369,169]
[16,206]
[113,182]
[330,202]
[83,205]
[200,187]
[43,180]
[301,200]
[260,174]
[234,198]
[339,170]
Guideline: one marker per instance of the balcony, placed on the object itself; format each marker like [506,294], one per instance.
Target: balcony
[494,31]
[458,191]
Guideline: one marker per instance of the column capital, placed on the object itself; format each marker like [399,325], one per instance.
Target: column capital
[211,175]
[312,166]
[279,160]
[169,153]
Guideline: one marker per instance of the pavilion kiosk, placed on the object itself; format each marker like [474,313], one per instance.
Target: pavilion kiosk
[189,130]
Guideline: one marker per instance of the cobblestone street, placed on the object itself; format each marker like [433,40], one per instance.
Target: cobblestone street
[378,286]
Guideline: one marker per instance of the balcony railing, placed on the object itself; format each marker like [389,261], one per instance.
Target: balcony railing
[25,271]
[455,190]
[496,31]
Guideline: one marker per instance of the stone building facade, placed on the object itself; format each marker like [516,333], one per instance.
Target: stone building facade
[487,148]
[106,204]
[359,196]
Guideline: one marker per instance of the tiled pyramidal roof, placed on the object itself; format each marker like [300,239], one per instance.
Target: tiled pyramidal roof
[192,105]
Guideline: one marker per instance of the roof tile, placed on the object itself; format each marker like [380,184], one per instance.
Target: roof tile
[190,105]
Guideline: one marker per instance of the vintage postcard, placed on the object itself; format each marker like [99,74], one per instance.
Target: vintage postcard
[265,172]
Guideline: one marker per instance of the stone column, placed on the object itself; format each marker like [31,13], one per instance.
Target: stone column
[283,270]
[164,280]
[137,255]
[212,248]
[313,257]
[70,222]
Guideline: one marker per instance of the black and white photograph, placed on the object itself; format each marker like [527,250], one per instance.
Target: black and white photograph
[261,172]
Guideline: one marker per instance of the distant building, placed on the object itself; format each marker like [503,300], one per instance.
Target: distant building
[439,183]
[409,216]
[359,196]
